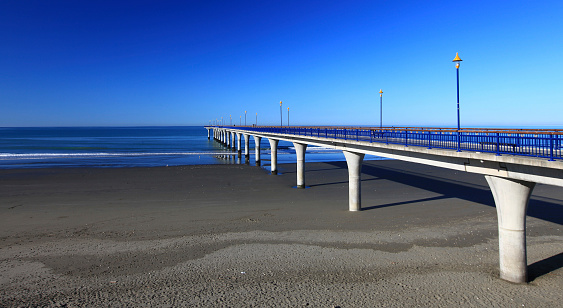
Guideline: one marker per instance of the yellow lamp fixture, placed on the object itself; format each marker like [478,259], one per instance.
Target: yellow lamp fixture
[457,60]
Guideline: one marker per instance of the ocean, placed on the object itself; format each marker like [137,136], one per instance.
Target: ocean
[118,147]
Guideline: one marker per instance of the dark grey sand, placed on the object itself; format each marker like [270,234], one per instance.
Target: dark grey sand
[235,236]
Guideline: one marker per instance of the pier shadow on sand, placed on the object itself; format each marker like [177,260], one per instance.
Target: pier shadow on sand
[545,266]
[538,207]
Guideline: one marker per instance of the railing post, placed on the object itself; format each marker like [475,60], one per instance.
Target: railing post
[406,138]
[345,135]
[498,144]
[458,140]
[370,136]
[357,138]
[429,140]
[551,145]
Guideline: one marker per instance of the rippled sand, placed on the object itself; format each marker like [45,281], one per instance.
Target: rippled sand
[235,236]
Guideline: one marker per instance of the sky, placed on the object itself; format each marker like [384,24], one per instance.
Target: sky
[145,63]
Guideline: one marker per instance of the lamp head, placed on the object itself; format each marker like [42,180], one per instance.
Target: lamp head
[380,92]
[280,103]
[457,60]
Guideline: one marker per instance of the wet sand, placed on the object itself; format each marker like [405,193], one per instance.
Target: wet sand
[235,236]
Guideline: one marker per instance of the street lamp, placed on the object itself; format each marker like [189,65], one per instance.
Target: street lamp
[288,116]
[281,117]
[221,121]
[457,61]
[245,118]
[257,119]
[380,108]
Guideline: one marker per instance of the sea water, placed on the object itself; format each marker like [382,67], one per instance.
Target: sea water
[56,147]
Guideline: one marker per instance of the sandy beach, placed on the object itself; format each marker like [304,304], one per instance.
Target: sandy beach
[236,236]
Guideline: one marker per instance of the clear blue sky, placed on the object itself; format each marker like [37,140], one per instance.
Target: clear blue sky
[100,63]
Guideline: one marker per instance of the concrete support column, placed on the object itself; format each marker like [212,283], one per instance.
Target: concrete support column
[208,134]
[511,200]
[238,144]
[257,140]
[246,148]
[354,161]
[300,153]
[233,139]
[222,136]
[228,134]
[274,155]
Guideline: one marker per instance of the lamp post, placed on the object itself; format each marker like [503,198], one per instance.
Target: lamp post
[257,119]
[245,118]
[281,117]
[221,121]
[380,108]
[288,116]
[457,61]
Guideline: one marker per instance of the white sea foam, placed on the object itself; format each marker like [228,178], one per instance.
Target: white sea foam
[10,156]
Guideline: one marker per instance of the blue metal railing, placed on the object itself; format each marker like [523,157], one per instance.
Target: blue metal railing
[519,142]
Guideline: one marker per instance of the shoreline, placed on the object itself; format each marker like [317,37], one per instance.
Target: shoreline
[186,234]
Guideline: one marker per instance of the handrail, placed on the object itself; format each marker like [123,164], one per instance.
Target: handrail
[433,129]
[520,142]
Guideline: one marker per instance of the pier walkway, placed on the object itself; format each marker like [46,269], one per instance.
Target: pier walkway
[512,161]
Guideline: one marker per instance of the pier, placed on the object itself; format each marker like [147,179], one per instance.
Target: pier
[512,161]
